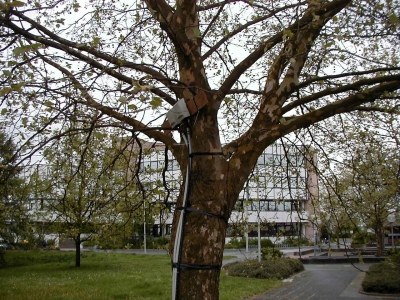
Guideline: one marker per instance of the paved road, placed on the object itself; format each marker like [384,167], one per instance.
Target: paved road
[328,282]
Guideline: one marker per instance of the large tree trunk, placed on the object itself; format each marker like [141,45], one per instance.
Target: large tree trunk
[379,241]
[213,190]
[204,231]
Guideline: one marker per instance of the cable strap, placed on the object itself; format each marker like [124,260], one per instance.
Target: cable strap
[205,153]
[195,267]
[191,209]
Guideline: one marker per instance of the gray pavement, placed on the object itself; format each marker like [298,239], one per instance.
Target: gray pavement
[328,282]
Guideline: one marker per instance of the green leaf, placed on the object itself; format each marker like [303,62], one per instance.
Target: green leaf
[287,34]
[5,91]
[132,106]
[17,87]
[197,33]
[17,4]
[123,100]
[99,135]
[96,41]
[394,19]
[7,73]
[18,51]
[76,6]
[155,102]
[24,121]
[329,44]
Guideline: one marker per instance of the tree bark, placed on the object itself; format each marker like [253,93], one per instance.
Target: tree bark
[204,231]
[379,242]
[214,186]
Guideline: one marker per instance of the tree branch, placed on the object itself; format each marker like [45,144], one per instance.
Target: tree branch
[348,104]
[332,91]
[69,47]
[136,125]
[241,28]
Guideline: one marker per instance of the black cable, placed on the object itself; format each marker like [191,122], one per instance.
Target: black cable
[178,265]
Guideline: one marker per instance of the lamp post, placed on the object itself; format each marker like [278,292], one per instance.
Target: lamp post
[298,224]
[247,218]
[391,219]
[144,226]
[328,218]
[313,220]
[258,221]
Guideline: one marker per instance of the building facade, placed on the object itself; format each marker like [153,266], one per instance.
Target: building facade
[275,201]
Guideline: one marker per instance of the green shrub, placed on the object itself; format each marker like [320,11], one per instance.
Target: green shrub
[394,255]
[280,268]
[3,262]
[266,243]
[382,277]
[271,253]
[295,242]
[161,243]
[235,243]
[359,238]
[111,243]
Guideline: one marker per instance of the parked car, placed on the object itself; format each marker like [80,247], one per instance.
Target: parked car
[3,244]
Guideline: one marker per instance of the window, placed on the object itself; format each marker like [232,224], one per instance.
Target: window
[153,165]
[263,205]
[156,230]
[280,206]
[295,205]
[168,229]
[272,205]
[173,165]
[260,160]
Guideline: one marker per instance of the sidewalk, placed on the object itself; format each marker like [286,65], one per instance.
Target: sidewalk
[318,281]
[328,282]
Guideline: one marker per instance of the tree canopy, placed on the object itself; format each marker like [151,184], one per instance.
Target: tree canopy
[86,188]
[363,189]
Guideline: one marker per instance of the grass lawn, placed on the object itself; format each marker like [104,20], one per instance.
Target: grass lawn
[51,275]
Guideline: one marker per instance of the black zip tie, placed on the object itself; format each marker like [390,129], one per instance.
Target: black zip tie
[191,209]
[195,267]
[205,153]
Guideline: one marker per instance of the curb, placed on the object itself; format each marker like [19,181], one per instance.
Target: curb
[380,295]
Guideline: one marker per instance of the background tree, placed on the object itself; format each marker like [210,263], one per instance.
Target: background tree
[364,189]
[250,72]
[14,221]
[88,189]
[358,171]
